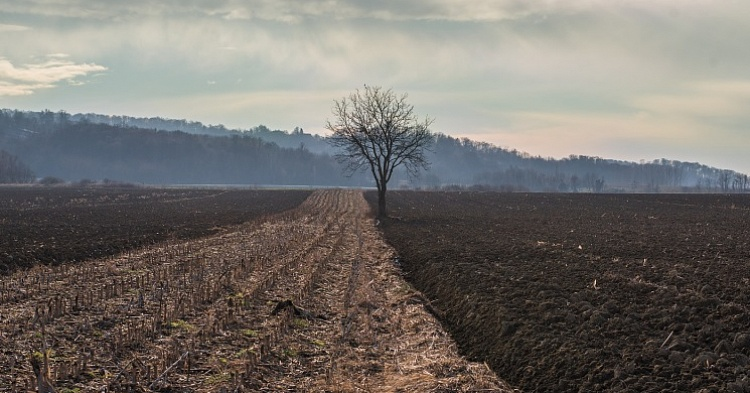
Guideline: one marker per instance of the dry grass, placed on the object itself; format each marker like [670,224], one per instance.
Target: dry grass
[197,315]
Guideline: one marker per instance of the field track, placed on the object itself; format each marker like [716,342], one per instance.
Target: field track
[208,315]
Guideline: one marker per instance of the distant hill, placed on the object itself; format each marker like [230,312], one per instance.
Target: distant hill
[157,150]
[58,145]
[469,163]
[296,138]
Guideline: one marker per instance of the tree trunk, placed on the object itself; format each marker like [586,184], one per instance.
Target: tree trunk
[381,202]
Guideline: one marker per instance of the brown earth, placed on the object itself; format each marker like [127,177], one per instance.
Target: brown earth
[586,293]
[208,315]
[56,225]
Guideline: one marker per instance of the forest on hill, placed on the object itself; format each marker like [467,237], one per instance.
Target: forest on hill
[55,145]
[166,151]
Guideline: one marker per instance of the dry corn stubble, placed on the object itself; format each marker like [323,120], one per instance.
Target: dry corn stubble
[197,315]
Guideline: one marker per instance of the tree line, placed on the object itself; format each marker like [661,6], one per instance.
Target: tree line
[12,170]
[54,146]
[463,163]
[75,147]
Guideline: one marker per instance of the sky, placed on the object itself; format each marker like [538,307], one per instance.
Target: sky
[623,79]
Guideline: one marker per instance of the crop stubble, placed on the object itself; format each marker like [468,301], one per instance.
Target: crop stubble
[197,315]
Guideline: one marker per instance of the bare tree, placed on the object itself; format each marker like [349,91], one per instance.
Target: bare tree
[12,170]
[377,130]
[725,176]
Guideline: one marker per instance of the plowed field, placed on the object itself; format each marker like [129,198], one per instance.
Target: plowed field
[53,226]
[304,300]
[586,293]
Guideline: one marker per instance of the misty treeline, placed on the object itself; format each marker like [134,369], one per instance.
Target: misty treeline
[293,139]
[464,162]
[165,151]
[54,145]
[12,170]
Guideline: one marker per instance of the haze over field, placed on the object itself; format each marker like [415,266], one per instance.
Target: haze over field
[619,79]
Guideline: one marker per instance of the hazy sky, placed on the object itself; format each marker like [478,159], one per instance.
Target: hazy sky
[625,79]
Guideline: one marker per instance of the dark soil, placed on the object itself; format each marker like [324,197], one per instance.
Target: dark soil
[307,300]
[582,293]
[56,225]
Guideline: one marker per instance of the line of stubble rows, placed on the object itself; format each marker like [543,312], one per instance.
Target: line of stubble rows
[125,320]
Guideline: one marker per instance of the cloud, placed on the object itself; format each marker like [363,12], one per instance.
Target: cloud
[595,41]
[4,28]
[28,78]
[612,135]
[283,109]
[288,11]
[294,11]
[700,100]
